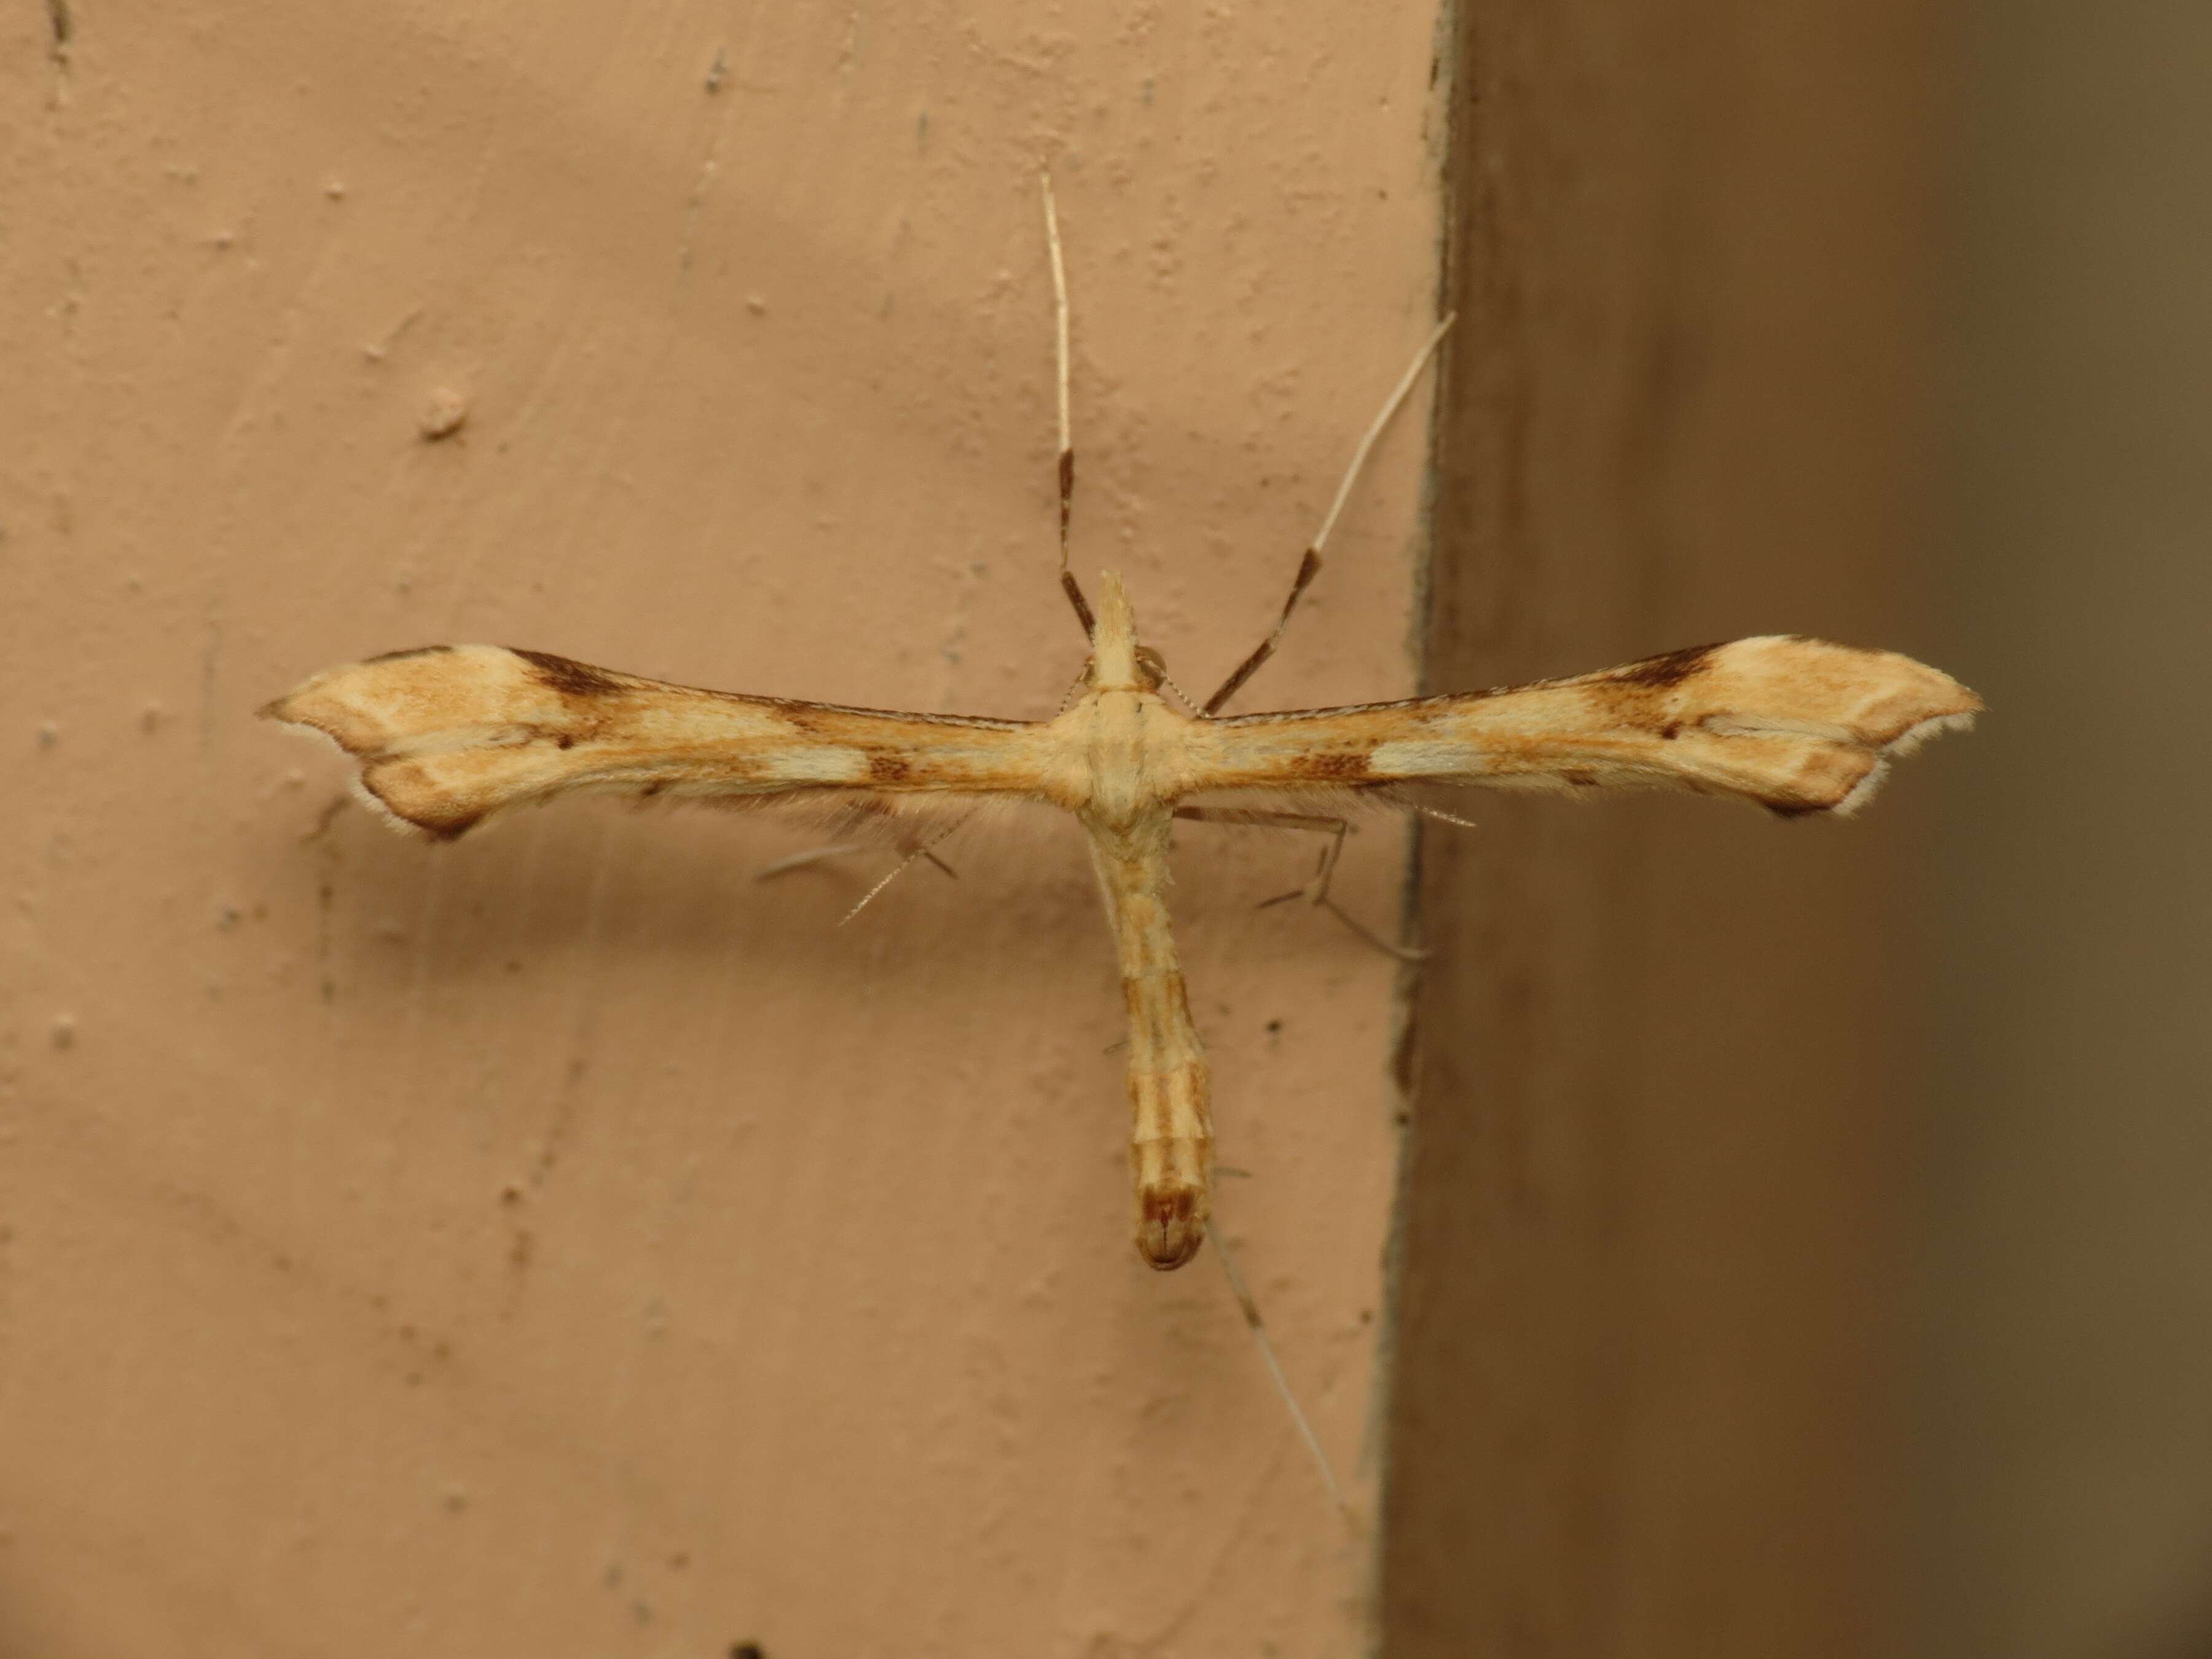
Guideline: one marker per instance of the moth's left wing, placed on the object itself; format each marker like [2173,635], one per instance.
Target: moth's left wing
[1796,724]
[448,735]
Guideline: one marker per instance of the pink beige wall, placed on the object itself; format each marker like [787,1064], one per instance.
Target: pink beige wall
[558,1243]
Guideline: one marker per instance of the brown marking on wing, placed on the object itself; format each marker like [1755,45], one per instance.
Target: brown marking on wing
[567,676]
[451,736]
[1340,766]
[1663,671]
[1796,725]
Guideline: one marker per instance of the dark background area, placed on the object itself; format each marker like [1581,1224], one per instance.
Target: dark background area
[1807,1248]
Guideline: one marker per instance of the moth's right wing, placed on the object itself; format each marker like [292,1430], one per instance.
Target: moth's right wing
[448,735]
[1796,724]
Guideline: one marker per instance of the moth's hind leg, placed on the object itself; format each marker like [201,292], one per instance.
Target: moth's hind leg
[1250,1309]
[812,856]
[1315,891]
[912,840]
[898,870]
[790,861]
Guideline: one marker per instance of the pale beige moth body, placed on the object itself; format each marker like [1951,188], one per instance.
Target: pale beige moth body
[448,737]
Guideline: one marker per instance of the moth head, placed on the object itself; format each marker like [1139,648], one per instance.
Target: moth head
[1117,662]
[1151,673]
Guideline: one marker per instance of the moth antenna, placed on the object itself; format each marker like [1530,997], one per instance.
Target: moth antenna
[1258,1329]
[1068,585]
[1309,566]
[1398,395]
[1181,695]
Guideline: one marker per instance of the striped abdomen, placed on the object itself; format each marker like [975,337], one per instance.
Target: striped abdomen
[1171,1120]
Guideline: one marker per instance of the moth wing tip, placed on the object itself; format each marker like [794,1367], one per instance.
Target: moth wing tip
[1863,791]
[1906,743]
[380,809]
[1924,732]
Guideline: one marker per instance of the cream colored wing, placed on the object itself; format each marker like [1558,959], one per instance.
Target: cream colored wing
[1797,725]
[448,735]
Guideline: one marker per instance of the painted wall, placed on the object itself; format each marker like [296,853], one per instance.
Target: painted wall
[558,1243]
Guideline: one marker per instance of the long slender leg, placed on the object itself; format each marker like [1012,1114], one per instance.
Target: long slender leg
[813,855]
[920,850]
[790,861]
[1316,891]
[1309,566]
[1068,585]
[1443,817]
[1258,1329]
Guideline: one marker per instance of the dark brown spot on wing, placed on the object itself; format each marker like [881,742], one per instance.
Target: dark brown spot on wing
[1338,766]
[1663,671]
[888,769]
[568,676]
[804,717]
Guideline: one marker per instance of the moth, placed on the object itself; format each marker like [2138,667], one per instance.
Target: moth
[448,736]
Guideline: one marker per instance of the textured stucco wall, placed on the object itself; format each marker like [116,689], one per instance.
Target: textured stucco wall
[558,1244]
